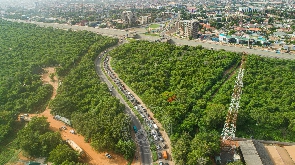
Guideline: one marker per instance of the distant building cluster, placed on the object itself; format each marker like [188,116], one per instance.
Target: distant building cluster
[250,9]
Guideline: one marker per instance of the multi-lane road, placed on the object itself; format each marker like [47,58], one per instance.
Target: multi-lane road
[142,143]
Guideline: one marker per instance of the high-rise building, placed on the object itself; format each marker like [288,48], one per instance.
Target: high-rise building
[188,28]
[128,17]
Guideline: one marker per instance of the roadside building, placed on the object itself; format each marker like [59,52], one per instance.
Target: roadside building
[188,28]
[128,17]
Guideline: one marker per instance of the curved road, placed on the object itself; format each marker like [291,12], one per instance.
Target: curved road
[144,146]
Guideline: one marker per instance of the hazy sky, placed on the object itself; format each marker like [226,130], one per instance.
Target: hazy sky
[19,3]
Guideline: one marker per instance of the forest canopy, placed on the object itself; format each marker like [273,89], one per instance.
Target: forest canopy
[200,83]
[25,50]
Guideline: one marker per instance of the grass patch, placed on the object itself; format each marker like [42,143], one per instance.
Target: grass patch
[151,34]
[155,156]
[154,26]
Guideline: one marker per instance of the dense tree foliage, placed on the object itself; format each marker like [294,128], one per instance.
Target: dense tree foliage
[25,49]
[36,139]
[158,72]
[202,83]
[63,154]
[94,112]
[268,101]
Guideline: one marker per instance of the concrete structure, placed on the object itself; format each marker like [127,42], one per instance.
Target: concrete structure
[188,28]
[128,17]
[144,20]
[249,153]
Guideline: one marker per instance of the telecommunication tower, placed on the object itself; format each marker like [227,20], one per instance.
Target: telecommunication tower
[229,129]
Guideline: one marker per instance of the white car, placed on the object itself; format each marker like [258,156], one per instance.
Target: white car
[155,137]
[158,147]
[161,138]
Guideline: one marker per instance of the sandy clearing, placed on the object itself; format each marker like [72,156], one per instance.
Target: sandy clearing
[93,157]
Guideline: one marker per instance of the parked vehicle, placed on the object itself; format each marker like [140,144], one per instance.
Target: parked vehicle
[76,148]
[163,145]
[158,147]
[154,132]
[161,138]
[108,155]
[165,155]
[159,155]
[155,137]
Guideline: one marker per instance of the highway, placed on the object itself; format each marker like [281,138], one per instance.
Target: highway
[118,33]
[144,146]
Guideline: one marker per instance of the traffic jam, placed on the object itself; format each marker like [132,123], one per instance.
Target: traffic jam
[154,133]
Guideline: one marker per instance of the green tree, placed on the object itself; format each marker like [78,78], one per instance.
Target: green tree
[181,149]
[203,146]
[38,124]
[49,141]
[126,148]
[35,138]
[63,153]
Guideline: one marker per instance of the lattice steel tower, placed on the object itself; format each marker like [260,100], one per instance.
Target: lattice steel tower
[229,129]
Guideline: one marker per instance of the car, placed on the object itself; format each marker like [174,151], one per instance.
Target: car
[161,163]
[142,115]
[158,147]
[163,145]
[135,129]
[72,131]
[155,137]
[161,138]
[154,132]
[108,155]
[166,163]
[159,156]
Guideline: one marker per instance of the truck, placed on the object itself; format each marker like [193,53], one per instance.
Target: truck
[76,148]
[165,155]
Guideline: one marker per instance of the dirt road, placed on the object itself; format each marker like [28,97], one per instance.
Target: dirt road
[93,157]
